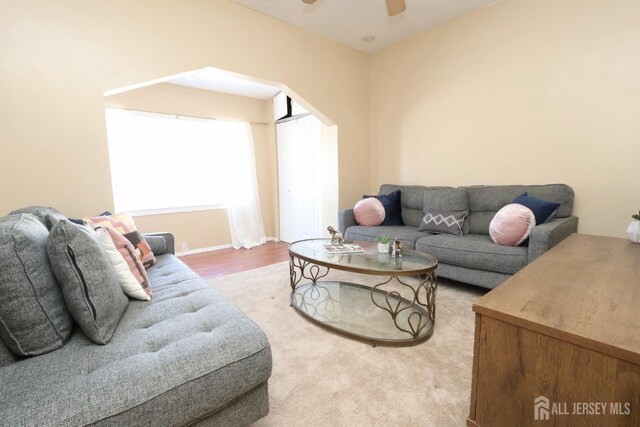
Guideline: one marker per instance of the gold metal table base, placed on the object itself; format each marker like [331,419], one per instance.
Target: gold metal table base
[414,316]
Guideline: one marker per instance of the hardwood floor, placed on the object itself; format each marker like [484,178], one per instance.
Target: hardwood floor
[227,261]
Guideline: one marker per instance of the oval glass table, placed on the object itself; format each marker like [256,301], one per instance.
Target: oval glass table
[397,310]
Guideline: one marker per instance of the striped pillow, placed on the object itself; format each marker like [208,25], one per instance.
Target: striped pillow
[131,273]
[124,224]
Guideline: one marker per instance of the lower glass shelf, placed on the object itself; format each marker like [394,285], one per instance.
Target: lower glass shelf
[348,309]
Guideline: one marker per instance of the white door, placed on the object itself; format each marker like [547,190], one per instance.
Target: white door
[299,178]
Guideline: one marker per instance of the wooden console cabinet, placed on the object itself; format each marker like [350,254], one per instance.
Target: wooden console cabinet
[567,328]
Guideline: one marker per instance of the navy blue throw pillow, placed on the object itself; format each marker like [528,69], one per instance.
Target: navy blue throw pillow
[392,208]
[543,210]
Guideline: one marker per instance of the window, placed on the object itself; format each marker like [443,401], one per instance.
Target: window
[163,163]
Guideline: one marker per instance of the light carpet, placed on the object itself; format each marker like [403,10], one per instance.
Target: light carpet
[320,378]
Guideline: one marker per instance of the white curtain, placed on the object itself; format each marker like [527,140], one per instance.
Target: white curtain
[213,163]
[243,206]
[193,150]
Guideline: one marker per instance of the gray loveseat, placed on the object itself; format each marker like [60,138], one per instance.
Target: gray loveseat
[188,356]
[473,257]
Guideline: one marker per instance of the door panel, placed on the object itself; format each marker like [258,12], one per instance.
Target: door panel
[300,178]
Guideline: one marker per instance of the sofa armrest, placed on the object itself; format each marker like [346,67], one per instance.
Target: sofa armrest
[345,219]
[545,236]
[161,243]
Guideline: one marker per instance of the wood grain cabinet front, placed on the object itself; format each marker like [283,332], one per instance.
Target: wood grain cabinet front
[559,343]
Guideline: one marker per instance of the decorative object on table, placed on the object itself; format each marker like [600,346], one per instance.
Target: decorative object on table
[396,249]
[337,239]
[383,244]
[512,225]
[633,231]
[543,210]
[369,212]
[392,207]
[397,263]
[347,248]
[383,259]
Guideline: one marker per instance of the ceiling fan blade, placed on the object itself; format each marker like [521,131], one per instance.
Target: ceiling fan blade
[309,1]
[394,7]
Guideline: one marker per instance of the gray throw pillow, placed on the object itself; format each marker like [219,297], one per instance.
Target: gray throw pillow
[89,282]
[157,244]
[443,222]
[446,199]
[6,357]
[47,216]
[33,316]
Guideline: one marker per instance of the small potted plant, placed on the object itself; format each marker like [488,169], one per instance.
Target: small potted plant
[383,244]
[633,231]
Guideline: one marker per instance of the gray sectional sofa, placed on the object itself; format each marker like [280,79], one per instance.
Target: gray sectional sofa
[473,257]
[187,357]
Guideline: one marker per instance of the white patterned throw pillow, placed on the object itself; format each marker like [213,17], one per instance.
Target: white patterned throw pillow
[131,274]
[443,222]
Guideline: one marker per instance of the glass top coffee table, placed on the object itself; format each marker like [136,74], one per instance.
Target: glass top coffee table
[397,311]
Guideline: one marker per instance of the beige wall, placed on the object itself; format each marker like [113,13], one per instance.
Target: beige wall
[58,58]
[329,173]
[205,229]
[522,91]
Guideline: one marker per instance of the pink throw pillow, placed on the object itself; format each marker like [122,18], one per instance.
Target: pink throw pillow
[124,224]
[369,212]
[512,225]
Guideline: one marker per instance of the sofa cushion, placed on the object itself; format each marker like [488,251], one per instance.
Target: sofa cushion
[369,212]
[157,244]
[89,282]
[443,221]
[412,201]
[407,235]
[187,336]
[486,279]
[486,200]
[543,210]
[447,199]
[123,258]
[33,316]
[6,357]
[474,251]
[512,225]
[41,212]
[124,224]
[392,207]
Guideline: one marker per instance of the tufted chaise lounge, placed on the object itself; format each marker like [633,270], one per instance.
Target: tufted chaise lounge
[186,357]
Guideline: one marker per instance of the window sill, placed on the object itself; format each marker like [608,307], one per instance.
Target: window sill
[151,212]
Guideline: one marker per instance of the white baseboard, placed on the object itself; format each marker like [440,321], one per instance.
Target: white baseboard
[216,248]
[203,250]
